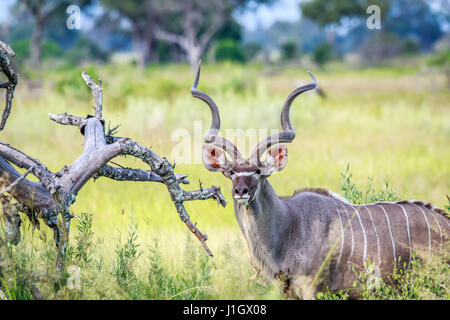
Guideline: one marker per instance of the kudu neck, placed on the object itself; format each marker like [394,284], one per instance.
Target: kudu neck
[265,221]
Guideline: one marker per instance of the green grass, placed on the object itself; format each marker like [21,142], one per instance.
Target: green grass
[392,124]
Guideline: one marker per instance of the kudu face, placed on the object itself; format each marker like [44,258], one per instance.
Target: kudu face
[245,177]
[246,174]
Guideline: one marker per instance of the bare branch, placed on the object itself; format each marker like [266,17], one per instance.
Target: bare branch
[203,194]
[200,236]
[6,48]
[97,92]
[170,37]
[68,120]
[9,188]
[55,193]
[164,169]
[7,68]
[211,31]
[129,174]
[22,160]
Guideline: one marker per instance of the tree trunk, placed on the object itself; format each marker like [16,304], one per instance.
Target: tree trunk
[149,53]
[137,46]
[143,46]
[194,53]
[36,41]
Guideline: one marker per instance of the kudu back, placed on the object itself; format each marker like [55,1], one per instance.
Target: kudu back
[315,239]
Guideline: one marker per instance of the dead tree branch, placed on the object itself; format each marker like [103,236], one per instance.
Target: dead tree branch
[97,92]
[8,188]
[7,68]
[54,193]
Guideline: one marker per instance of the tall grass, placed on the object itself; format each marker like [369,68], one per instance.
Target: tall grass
[136,272]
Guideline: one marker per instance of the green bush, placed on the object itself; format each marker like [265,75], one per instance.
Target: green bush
[289,50]
[367,194]
[440,59]
[50,49]
[229,50]
[323,54]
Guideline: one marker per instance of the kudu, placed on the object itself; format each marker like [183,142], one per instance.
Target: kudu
[315,238]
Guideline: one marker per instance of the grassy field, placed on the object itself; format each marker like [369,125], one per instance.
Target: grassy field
[390,124]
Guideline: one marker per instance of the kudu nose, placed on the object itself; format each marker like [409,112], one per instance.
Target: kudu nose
[241,192]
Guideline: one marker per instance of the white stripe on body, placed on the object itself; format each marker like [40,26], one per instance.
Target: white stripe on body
[351,230]
[342,235]
[390,232]
[376,234]
[429,231]
[443,218]
[364,236]
[439,226]
[407,226]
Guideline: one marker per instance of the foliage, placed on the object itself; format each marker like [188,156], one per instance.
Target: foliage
[85,50]
[230,30]
[367,194]
[84,239]
[440,59]
[127,256]
[229,50]
[323,54]
[50,49]
[330,295]
[328,12]
[289,50]
[384,45]
[426,278]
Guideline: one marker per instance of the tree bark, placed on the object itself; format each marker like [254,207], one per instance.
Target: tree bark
[36,41]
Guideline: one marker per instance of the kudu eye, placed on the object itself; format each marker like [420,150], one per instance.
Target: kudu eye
[258,171]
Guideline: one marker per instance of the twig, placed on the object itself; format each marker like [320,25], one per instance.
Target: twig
[97,92]
[8,188]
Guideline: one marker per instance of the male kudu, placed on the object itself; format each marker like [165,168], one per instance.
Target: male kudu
[313,239]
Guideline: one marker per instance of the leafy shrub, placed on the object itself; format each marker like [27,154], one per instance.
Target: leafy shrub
[229,50]
[440,59]
[289,50]
[323,54]
[127,256]
[367,194]
[426,278]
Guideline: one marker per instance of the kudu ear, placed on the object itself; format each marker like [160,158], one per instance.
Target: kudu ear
[276,158]
[214,158]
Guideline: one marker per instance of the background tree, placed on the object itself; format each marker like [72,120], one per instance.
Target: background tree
[142,15]
[42,11]
[229,50]
[289,50]
[192,24]
[326,12]
[322,54]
